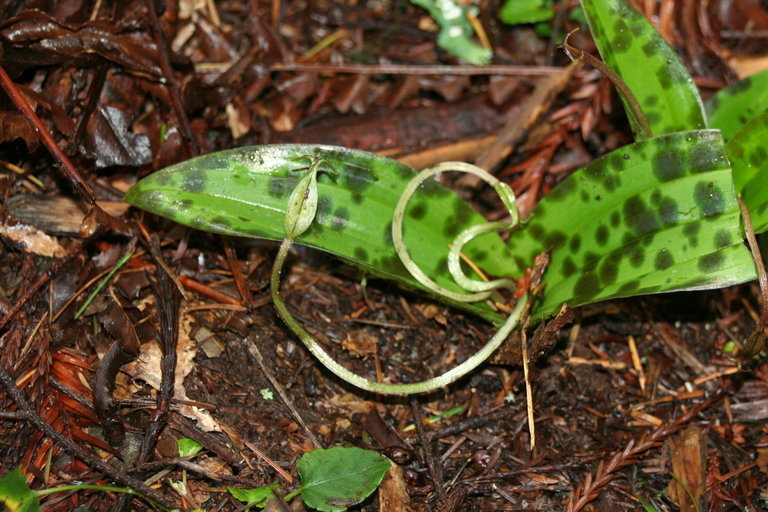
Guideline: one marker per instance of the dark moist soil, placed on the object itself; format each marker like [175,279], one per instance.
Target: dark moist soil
[134,92]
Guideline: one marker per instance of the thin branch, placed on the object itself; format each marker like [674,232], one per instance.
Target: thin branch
[407,69]
[18,99]
[429,457]
[762,278]
[253,348]
[634,106]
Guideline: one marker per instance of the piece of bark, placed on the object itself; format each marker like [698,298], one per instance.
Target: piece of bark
[688,459]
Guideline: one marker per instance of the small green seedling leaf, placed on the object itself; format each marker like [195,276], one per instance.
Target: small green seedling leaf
[659,215]
[340,477]
[188,447]
[455,30]
[731,108]
[749,158]
[16,495]
[648,65]
[255,497]
[515,12]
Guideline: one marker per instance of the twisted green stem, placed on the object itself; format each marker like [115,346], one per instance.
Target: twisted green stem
[300,214]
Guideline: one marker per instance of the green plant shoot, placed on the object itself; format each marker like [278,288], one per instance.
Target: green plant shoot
[648,65]
[656,216]
[455,30]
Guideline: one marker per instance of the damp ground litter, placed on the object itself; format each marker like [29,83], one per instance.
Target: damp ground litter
[122,332]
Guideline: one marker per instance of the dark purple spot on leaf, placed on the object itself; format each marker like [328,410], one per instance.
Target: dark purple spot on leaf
[569,267]
[709,198]
[663,259]
[668,211]
[639,217]
[609,271]
[601,235]
[668,165]
[575,243]
[722,238]
[586,287]
[711,262]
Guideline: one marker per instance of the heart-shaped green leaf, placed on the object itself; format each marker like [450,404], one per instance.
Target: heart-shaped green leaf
[340,477]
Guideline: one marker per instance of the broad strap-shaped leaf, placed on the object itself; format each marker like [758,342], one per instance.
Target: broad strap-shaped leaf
[731,108]
[648,65]
[657,216]
[749,159]
[245,192]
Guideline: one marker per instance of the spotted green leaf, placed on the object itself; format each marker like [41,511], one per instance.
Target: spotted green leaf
[648,65]
[749,158]
[731,108]
[245,192]
[658,215]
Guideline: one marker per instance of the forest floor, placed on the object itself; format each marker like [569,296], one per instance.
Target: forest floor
[635,404]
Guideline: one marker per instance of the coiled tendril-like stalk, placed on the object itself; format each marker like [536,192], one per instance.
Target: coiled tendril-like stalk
[300,213]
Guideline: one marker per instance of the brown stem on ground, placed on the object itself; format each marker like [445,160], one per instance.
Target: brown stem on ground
[237,272]
[253,349]
[167,302]
[122,351]
[756,341]
[762,278]
[429,456]
[407,69]
[18,99]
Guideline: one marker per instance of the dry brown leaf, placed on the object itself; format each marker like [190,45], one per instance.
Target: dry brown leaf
[393,492]
[687,487]
[31,240]
[746,66]
[147,368]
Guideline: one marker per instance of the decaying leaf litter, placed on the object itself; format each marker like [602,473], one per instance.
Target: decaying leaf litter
[593,397]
